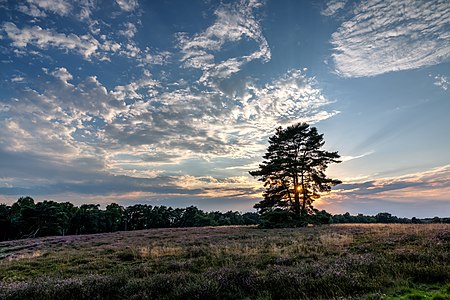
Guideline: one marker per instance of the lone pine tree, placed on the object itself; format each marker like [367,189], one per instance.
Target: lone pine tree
[293,171]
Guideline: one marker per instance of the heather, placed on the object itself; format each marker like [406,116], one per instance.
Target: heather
[376,261]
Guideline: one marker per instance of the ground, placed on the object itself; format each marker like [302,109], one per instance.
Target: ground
[327,262]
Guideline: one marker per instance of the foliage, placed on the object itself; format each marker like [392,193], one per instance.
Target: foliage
[385,218]
[293,172]
[374,261]
[27,219]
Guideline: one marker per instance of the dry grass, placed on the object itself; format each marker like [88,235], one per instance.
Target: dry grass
[335,240]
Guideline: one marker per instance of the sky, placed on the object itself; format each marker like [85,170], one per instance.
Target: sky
[172,102]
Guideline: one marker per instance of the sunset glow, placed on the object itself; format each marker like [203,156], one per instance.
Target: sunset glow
[172,102]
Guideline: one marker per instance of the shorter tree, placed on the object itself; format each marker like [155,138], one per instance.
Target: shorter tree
[293,172]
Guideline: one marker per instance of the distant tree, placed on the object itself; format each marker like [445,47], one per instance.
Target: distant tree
[193,217]
[321,217]
[24,217]
[27,219]
[69,210]
[385,217]
[114,217]
[87,219]
[5,222]
[414,220]
[137,216]
[251,218]
[436,220]
[161,217]
[51,218]
[293,172]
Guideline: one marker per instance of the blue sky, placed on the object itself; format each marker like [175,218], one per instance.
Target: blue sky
[172,102]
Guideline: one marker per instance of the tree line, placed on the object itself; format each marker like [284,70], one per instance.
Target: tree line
[27,219]
[385,218]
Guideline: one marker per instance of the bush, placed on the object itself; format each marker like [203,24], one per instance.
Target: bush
[279,218]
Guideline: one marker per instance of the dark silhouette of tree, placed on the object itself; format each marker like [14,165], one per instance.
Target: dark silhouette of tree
[114,217]
[69,210]
[250,218]
[25,218]
[88,219]
[137,216]
[51,218]
[6,227]
[293,172]
[384,218]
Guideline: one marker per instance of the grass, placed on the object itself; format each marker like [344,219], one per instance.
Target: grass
[329,262]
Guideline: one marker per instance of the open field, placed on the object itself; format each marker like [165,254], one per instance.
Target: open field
[329,262]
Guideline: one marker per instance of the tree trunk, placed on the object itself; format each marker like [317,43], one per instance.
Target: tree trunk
[297,201]
[303,213]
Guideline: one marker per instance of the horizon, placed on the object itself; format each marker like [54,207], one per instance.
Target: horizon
[173,103]
[103,207]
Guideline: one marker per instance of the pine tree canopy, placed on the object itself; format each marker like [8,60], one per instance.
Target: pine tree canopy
[293,170]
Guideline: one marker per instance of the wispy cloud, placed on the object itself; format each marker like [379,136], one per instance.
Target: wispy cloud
[31,10]
[129,30]
[17,78]
[352,157]
[151,128]
[84,116]
[442,81]
[234,22]
[386,36]
[416,194]
[36,8]
[333,7]
[62,74]
[85,45]
[433,183]
[290,98]
[128,5]
[86,7]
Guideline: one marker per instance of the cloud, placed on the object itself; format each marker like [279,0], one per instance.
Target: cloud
[60,7]
[62,74]
[128,5]
[157,132]
[132,90]
[60,118]
[31,10]
[17,78]
[425,208]
[158,58]
[86,8]
[345,158]
[65,116]
[81,175]
[291,98]
[215,187]
[333,7]
[129,30]
[234,23]
[442,81]
[86,45]
[420,194]
[83,179]
[428,184]
[387,36]
[210,123]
